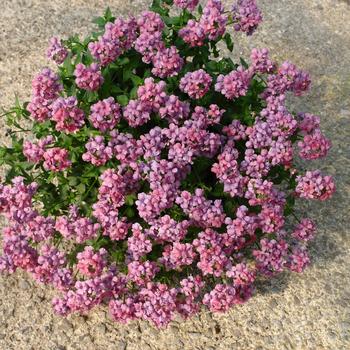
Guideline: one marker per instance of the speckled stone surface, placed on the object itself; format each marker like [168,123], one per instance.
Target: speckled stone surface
[308,311]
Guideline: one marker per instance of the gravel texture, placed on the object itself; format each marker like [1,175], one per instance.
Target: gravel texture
[308,311]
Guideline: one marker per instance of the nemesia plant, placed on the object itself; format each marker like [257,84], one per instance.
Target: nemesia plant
[156,175]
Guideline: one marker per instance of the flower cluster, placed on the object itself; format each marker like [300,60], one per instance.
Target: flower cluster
[88,78]
[211,25]
[56,51]
[46,88]
[196,84]
[136,191]
[105,114]
[246,16]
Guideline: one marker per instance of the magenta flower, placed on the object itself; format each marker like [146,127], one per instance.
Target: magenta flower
[68,117]
[186,4]
[247,16]
[196,84]
[56,159]
[91,263]
[88,78]
[105,114]
[234,84]
[56,51]
[314,146]
[315,186]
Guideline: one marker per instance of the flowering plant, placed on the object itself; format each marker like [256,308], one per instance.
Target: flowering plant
[159,175]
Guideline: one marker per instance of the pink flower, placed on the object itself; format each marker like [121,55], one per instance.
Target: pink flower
[105,114]
[56,159]
[234,84]
[142,272]
[315,186]
[148,44]
[314,146]
[46,85]
[156,303]
[34,152]
[196,84]
[56,51]
[97,153]
[205,213]
[177,255]
[167,62]
[166,229]
[261,62]
[91,263]
[305,230]
[138,244]
[241,275]
[308,123]
[88,78]
[271,258]
[39,108]
[221,298]
[49,261]
[68,117]
[122,32]
[247,16]
[150,22]
[105,51]
[186,4]
[298,260]
[213,20]
[193,33]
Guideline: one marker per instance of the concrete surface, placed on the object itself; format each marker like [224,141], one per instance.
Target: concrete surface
[308,311]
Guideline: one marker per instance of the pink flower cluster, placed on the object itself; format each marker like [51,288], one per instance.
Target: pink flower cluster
[45,89]
[88,78]
[315,186]
[196,84]
[186,4]
[56,159]
[97,152]
[34,152]
[68,116]
[56,51]
[118,37]
[211,25]
[234,84]
[247,16]
[105,114]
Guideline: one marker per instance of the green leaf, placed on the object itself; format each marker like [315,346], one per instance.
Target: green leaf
[212,66]
[81,188]
[100,21]
[133,93]
[108,14]
[72,180]
[244,63]
[130,212]
[130,199]
[137,81]
[123,100]
[228,41]
[200,9]
[123,61]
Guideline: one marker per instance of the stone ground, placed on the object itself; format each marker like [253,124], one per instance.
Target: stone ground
[308,311]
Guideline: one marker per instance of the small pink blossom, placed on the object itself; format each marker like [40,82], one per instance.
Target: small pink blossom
[56,159]
[88,78]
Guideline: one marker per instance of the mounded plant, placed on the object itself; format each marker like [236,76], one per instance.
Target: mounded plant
[153,174]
